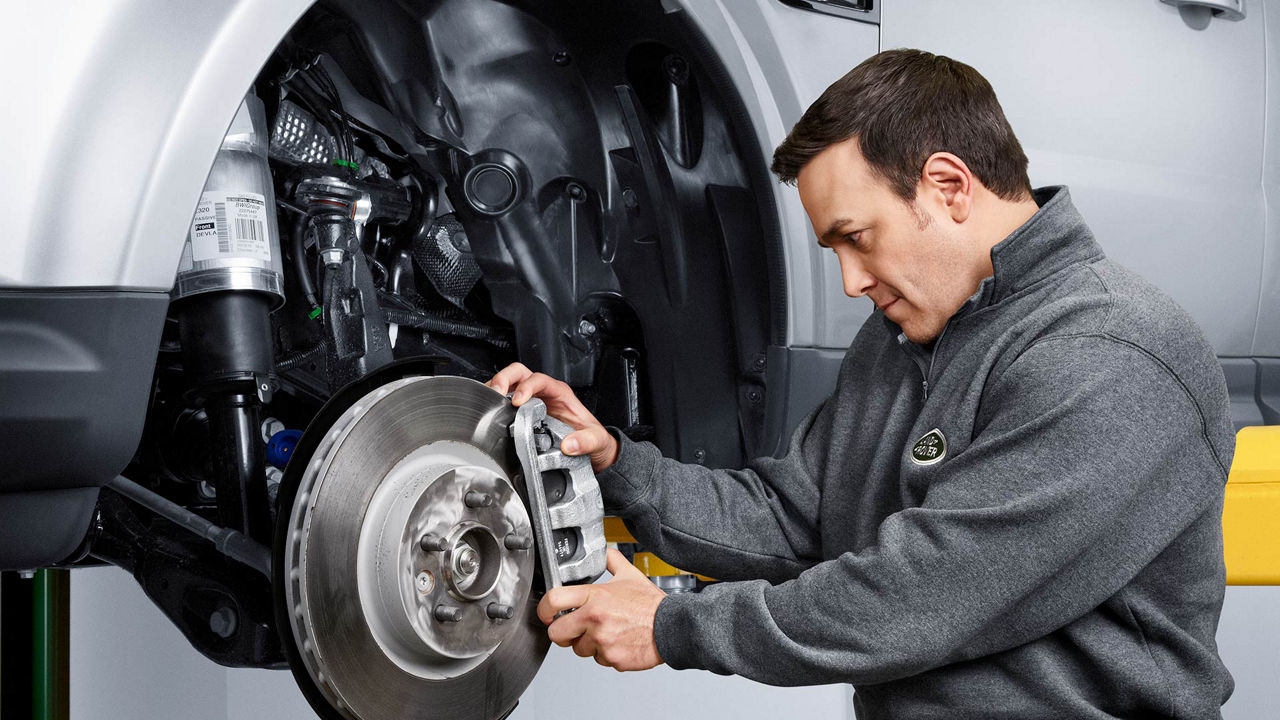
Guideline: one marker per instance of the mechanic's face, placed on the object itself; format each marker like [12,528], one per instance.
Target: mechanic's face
[912,262]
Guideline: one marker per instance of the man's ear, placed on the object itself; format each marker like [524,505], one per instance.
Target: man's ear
[948,181]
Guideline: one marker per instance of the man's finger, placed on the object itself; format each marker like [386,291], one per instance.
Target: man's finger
[508,376]
[535,385]
[567,628]
[619,567]
[586,647]
[560,599]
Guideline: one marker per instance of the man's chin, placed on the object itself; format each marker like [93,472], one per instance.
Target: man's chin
[918,335]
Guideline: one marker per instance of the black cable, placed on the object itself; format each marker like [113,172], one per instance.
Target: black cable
[324,84]
[296,358]
[395,310]
[300,262]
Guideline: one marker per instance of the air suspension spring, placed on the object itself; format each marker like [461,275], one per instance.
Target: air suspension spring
[228,281]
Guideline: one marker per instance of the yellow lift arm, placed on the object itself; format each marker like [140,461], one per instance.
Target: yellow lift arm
[1251,515]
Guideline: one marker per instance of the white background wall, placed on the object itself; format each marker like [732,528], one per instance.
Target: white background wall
[129,663]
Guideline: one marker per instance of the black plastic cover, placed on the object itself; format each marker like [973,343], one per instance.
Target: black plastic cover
[75,369]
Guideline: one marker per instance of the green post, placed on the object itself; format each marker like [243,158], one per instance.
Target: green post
[50,602]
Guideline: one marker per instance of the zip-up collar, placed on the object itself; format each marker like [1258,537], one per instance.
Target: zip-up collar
[1050,241]
[1053,239]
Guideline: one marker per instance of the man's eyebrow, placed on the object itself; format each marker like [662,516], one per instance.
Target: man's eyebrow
[829,235]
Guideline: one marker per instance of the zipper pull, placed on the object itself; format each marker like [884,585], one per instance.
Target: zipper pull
[925,385]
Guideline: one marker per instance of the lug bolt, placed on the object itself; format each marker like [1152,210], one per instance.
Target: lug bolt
[448,613]
[496,611]
[517,542]
[431,541]
[586,328]
[475,499]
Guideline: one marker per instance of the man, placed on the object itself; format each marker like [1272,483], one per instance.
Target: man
[1009,507]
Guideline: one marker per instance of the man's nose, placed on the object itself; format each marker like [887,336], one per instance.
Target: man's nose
[857,281]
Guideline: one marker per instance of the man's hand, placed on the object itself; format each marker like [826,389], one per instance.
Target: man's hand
[590,439]
[613,621]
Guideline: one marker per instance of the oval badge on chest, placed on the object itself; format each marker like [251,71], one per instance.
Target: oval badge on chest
[930,448]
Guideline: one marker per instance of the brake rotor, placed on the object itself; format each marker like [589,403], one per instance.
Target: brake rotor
[405,566]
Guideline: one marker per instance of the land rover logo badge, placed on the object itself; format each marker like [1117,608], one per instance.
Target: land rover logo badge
[929,449]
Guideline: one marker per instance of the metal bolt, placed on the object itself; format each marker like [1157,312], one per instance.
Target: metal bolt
[333,256]
[475,499]
[27,574]
[586,327]
[223,622]
[496,611]
[468,560]
[576,192]
[424,582]
[629,198]
[759,363]
[517,542]
[542,441]
[448,613]
[753,396]
[270,426]
[699,455]
[431,541]
[562,58]
[677,69]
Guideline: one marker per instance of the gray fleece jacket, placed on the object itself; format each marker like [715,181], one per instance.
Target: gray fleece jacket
[1023,523]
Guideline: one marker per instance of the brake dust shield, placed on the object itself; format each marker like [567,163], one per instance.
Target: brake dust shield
[409,556]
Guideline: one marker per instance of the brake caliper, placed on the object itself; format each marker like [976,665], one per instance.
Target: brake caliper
[564,499]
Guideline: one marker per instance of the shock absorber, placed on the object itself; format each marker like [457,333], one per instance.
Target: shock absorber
[228,282]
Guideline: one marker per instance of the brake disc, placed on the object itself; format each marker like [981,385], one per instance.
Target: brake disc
[408,558]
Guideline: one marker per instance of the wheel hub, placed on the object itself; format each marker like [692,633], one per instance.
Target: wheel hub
[408,559]
[436,521]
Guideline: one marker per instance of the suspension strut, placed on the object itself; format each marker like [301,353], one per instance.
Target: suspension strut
[228,281]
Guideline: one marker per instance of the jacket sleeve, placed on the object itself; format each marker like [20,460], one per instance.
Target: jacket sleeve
[1081,474]
[759,522]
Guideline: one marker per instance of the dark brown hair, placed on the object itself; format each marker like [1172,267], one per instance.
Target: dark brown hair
[905,105]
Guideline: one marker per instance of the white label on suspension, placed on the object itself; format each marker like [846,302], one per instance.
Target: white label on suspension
[230,225]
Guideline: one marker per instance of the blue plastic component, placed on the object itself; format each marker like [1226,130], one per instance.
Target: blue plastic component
[280,447]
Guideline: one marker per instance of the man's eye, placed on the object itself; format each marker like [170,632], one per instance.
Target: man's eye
[853,237]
